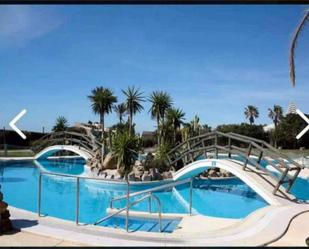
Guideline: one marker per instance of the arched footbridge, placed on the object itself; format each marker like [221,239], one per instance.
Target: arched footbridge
[243,156]
[78,143]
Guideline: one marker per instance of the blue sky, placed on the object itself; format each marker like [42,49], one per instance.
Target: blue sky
[213,60]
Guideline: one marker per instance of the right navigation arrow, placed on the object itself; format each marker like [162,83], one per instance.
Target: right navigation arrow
[299,112]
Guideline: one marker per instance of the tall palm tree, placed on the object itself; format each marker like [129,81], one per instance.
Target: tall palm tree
[61,124]
[102,100]
[275,114]
[185,132]
[175,117]
[160,102]
[133,103]
[251,112]
[120,110]
[298,30]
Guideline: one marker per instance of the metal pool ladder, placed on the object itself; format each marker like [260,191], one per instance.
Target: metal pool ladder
[149,195]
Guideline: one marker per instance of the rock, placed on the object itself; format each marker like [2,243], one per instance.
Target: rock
[146,176]
[213,173]
[118,176]
[138,163]
[110,161]
[5,222]
[138,171]
[167,175]
[138,178]
[131,176]
[155,175]
[108,177]
[172,169]
[103,174]
[3,206]
[223,171]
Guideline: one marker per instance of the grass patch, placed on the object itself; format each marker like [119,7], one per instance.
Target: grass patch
[17,153]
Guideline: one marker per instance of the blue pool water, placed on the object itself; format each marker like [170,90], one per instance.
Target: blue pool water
[140,224]
[68,166]
[19,182]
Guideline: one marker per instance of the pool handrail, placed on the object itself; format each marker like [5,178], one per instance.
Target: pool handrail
[165,186]
[44,172]
[149,195]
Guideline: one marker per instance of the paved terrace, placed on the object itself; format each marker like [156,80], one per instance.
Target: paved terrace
[259,228]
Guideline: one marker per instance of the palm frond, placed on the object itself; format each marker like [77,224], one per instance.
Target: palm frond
[293,46]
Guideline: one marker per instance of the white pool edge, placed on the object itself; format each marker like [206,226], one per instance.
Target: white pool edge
[261,227]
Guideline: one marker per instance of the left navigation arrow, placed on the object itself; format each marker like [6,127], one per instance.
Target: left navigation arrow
[13,122]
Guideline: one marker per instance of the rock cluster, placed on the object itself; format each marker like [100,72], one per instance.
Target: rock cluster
[5,222]
[216,173]
[109,162]
[108,170]
[139,173]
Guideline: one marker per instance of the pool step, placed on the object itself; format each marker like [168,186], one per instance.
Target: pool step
[142,224]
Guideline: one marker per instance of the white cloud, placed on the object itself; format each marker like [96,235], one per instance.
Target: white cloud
[20,24]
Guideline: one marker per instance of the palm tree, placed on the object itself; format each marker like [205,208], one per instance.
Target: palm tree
[61,124]
[175,117]
[275,114]
[195,125]
[185,132]
[160,102]
[132,103]
[120,111]
[298,30]
[102,100]
[252,113]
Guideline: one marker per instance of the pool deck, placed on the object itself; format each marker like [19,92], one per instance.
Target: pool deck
[259,228]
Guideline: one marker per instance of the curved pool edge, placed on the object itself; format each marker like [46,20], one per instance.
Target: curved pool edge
[263,227]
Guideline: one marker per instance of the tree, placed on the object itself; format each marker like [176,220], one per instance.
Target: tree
[275,114]
[160,102]
[185,132]
[251,113]
[245,129]
[120,110]
[125,148]
[61,124]
[293,45]
[175,117]
[102,100]
[195,126]
[287,130]
[133,103]
[205,128]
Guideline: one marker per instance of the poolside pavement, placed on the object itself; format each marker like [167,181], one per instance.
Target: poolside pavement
[21,238]
[259,228]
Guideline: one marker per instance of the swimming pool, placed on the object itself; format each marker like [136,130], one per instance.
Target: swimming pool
[19,180]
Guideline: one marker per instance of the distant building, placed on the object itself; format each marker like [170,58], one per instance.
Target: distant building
[148,135]
[291,108]
[269,127]
[148,138]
